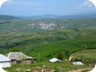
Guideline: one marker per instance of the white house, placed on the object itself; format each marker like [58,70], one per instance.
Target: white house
[77,63]
[94,69]
[4,61]
[55,60]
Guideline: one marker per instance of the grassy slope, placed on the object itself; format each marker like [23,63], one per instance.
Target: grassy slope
[87,56]
[7,17]
[58,67]
[79,35]
[15,26]
[44,46]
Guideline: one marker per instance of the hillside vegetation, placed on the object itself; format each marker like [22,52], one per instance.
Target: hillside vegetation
[45,38]
[42,25]
[85,56]
[7,17]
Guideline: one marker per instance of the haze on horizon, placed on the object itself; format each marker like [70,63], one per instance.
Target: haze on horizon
[44,7]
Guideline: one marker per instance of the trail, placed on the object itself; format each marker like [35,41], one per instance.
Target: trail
[80,70]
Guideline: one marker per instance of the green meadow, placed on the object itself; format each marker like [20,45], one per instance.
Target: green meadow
[45,39]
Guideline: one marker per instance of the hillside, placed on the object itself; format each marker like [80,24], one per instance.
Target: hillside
[73,16]
[85,55]
[42,25]
[47,38]
[7,17]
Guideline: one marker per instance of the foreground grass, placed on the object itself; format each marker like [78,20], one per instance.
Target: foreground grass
[58,67]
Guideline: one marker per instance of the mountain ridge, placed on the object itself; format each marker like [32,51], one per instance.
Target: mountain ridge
[75,16]
[90,14]
[8,17]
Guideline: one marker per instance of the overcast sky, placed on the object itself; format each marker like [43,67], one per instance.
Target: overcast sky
[43,7]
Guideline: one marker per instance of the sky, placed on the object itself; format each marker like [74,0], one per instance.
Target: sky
[45,7]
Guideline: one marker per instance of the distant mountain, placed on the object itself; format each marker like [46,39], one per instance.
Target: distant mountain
[89,14]
[7,17]
[46,17]
[77,16]
[41,17]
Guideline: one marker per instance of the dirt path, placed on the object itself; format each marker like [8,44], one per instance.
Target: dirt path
[80,70]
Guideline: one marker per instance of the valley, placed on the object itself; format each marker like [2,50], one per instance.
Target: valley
[48,38]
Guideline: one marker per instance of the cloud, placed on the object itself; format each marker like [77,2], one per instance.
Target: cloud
[86,4]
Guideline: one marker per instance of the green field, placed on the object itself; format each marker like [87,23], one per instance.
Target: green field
[45,39]
[57,67]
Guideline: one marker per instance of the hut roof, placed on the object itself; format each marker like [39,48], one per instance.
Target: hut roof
[4,58]
[78,63]
[55,60]
[18,56]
